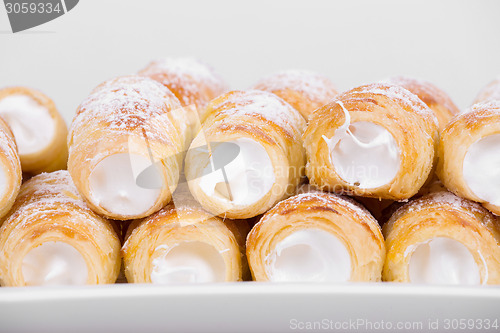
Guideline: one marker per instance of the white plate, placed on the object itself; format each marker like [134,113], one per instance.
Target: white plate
[249,307]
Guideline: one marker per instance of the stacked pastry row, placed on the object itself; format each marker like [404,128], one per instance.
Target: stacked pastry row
[167,172]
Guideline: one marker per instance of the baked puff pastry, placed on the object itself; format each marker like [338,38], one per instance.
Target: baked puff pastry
[247,156]
[182,243]
[126,147]
[469,155]
[436,99]
[193,82]
[304,90]
[489,93]
[39,129]
[442,239]
[51,237]
[316,237]
[376,140]
[10,169]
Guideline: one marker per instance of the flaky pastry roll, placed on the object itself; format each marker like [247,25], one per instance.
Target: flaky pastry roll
[436,99]
[192,81]
[182,243]
[51,237]
[318,237]
[376,140]
[469,155]
[489,93]
[442,239]
[126,146]
[247,156]
[10,169]
[39,129]
[306,91]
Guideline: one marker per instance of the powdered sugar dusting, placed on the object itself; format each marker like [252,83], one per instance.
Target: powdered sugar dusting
[445,198]
[425,91]
[321,199]
[125,104]
[256,103]
[46,194]
[312,85]
[194,68]
[397,93]
[193,81]
[483,109]
[489,93]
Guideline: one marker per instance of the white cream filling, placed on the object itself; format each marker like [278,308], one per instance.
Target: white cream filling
[114,187]
[481,169]
[245,179]
[188,262]
[363,154]
[309,255]
[54,263]
[30,122]
[442,260]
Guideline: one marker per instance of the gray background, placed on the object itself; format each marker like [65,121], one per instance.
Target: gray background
[455,44]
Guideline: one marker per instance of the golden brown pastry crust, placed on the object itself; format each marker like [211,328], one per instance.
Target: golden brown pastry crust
[183,220]
[352,224]
[55,155]
[489,93]
[192,81]
[11,166]
[48,209]
[436,99]
[304,90]
[480,121]
[134,115]
[411,123]
[442,214]
[230,117]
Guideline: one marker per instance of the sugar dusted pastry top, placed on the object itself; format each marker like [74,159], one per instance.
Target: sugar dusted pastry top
[446,200]
[426,91]
[408,101]
[311,199]
[125,104]
[260,104]
[395,92]
[475,117]
[435,98]
[314,89]
[47,192]
[489,93]
[191,80]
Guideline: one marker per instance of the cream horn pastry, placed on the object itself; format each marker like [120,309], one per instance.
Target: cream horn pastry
[182,243]
[489,93]
[126,147]
[192,81]
[442,239]
[39,129]
[469,155]
[376,140]
[51,237]
[247,156]
[316,237]
[306,91]
[436,99]
[10,169]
